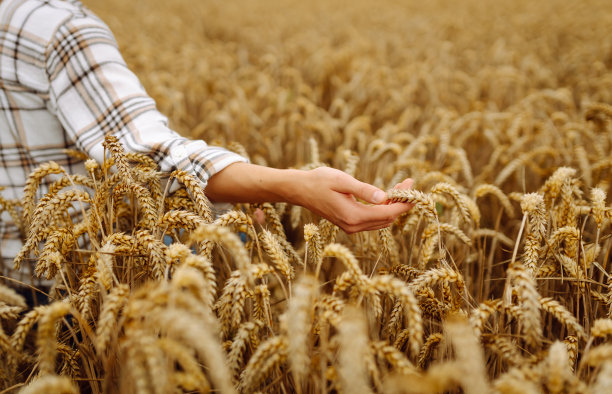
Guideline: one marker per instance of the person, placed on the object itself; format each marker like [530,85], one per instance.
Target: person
[64,84]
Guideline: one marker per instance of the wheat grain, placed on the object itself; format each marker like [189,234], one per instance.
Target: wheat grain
[601,328]
[554,184]
[598,109]
[515,381]
[274,219]
[558,371]
[313,249]
[395,320]
[507,350]
[328,230]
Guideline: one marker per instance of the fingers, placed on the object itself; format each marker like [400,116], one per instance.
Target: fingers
[366,228]
[405,184]
[387,212]
[370,226]
[260,217]
[360,217]
[345,183]
[335,194]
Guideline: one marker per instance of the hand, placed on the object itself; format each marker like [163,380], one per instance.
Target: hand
[329,193]
[334,195]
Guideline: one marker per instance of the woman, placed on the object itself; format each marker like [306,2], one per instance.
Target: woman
[65,85]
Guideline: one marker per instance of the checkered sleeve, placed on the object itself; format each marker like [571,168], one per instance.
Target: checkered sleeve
[93,93]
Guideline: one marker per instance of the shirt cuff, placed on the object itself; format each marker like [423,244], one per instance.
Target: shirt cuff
[216,160]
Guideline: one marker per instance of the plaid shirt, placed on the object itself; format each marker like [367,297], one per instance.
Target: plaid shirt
[64,84]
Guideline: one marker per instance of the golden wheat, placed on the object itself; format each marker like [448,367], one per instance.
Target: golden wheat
[151,292]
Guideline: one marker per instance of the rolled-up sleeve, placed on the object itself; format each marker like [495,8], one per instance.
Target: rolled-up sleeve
[93,93]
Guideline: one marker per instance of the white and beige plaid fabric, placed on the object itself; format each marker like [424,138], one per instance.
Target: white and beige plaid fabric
[64,84]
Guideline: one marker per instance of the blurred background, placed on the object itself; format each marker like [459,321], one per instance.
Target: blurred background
[273,74]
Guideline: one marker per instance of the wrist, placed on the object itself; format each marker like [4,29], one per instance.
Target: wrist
[243,182]
[291,186]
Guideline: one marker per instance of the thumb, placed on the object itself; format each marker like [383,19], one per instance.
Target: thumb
[361,190]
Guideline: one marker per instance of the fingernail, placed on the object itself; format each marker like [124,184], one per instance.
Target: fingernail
[378,197]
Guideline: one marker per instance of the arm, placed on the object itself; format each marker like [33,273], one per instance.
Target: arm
[325,191]
[93,93]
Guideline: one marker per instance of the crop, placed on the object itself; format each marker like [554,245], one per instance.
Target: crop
[497,280]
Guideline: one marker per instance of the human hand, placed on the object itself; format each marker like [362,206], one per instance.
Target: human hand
[327,192]
[334,195]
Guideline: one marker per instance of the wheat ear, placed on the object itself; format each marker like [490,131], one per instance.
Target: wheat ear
[197,193]
[530,302]
[32,184]
[273,248]
[46,339]
[118,155]
[485,189]
[51,384]
[298,321]
[563,315]
[191,377]
[389,246]
[11,297]
[422,203]
[113,303]
[449,189]
[215,233]
[314,250]
[428,347]
[557,368]
[394,357]
[239,344]
[268,355]
[469,356]
[354,349]
[399,289]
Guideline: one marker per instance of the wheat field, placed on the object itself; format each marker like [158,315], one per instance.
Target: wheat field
[497,281]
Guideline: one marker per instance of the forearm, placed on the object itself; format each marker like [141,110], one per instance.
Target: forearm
[250,183]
